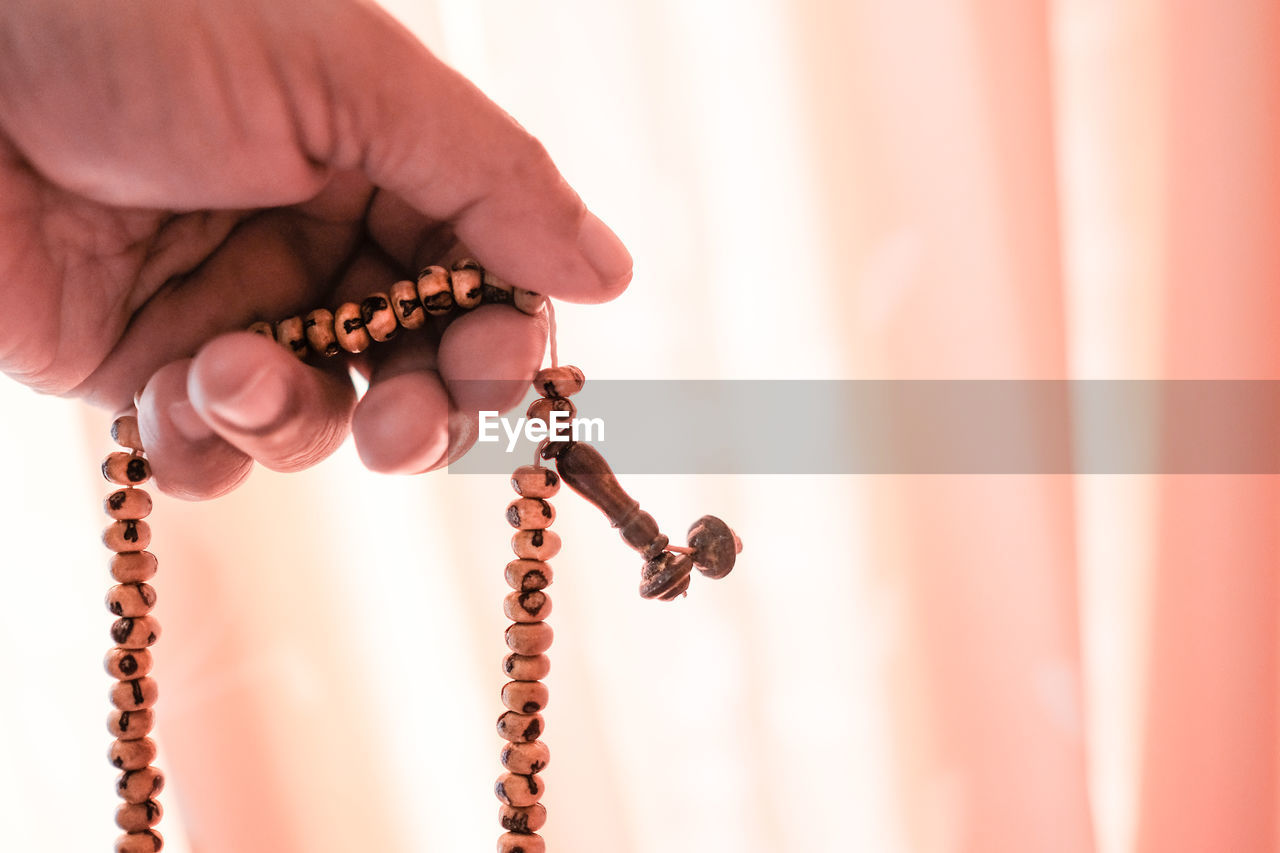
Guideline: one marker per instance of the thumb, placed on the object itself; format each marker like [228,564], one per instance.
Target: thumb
[421,130]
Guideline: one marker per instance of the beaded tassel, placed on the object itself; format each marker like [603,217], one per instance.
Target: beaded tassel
[528,637]
[134,631]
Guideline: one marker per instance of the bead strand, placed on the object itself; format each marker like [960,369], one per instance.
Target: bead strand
[134,631]
[353,327]
[528,637]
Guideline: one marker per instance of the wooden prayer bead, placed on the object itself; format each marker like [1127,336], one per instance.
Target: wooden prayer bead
[715,546]
[124,432]
[514,726]
[529,638]
[467,283]
[435,289]
[349,328]
[292,335]
[526,667]
[525,758]
[131,754]
[131,599]
[542,408]
[320,332]
[379,318]
[529,606]
[133,566]
[126,469]
[530,514]
[127,503]
[135,632]
[535,481]
[666,576]
[640,531]
[522,820]
[527,301]
[138,786]
[535,544]
[493,290]
[127,663]
[138,817]
[130,725]
[127,535]
[525,575]
[527,697]
[150,841]
[563,381]
[516,790]
[407,305]
[136,694]
[262,327]
[514,842]
[584,470]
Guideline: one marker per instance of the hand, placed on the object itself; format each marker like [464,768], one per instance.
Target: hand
[172,171]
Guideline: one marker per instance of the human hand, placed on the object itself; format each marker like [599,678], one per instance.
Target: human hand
[172,171]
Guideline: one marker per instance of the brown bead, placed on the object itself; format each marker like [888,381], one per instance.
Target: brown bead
[493,290]
[516,790]
[127,663]
[666,576]
[563,381]
[148,841]
[514,726]
[641,532]
[435,289]
[262,327]
[138,817]
[526,667]
[527,697]
[131,599]
[535,544]
[542,408]
[535,481]
[379,317]
[126,469]
[320,332]
[124,432]
[135,632]
[127,535]
[292,335]
[715,546]
[133,566]
[529,638]
[468,279]
[136,694]
[138,786]
[527,301]
[407,305]
[527,606]
[349,328]
[525,757]
[514,842]
[530,514]
[525,575]
[523,820]
[131,725]
[131,754]
[127,503]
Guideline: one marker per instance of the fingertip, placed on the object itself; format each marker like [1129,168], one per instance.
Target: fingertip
[401,425]
[488,357]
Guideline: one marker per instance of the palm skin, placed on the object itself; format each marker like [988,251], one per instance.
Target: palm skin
[170,172]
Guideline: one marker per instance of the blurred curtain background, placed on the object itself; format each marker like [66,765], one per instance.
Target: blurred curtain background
[811,190]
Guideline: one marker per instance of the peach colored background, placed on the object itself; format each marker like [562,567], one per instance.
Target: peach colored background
[821,190]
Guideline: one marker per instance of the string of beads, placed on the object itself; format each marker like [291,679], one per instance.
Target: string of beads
[355,326]
[134,632]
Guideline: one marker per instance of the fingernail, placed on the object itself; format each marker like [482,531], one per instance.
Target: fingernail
[257,404]
[604,252]
[188,423]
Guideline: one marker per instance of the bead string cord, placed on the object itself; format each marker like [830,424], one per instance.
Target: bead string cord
[354,327]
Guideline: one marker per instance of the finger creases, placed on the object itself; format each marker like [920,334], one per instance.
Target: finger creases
[260,399]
